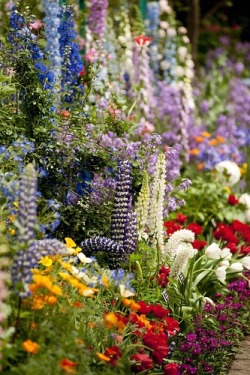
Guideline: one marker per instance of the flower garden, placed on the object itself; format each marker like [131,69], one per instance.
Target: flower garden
[124,192]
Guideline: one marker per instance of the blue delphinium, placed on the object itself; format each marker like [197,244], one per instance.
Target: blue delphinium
[21,38]
[72,63]
[52,23]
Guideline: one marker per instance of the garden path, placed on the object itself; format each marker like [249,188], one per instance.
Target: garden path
[241,363]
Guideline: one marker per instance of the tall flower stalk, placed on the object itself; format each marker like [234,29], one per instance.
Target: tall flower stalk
[52,23]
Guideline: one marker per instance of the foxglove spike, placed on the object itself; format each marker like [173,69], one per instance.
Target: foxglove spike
[26,260]
[114,249]
[27,204]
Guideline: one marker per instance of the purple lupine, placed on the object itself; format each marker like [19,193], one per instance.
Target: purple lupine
[122,202]
[26,260]
[123,224]
[113,249]
[27,205]
[97,16]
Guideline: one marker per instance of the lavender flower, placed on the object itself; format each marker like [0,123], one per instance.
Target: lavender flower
[97,17]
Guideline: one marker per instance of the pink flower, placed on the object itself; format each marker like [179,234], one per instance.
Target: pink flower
[170,369]
[36,25]
[143,40]
[91,55]
[143,362]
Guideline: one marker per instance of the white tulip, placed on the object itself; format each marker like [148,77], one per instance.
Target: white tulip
[213,251]
[224,263]
[236,267]
[221,274]
[226,253]
[246,262]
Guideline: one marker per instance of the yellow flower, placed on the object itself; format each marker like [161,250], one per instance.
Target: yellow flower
[131,304]
[69,242]
[105,280]
[15,204]
[110,320]
[199,139]
[45,261]
[30,346]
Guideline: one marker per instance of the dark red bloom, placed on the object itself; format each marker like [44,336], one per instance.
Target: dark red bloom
[196,228]
[114,353]
[170,369]
[171,325]
[233,247]
[144,308]
[143,362]
[197,244]
[159,311]
[232,200]
[142,40]
[245,249]
[181,218]
[160,353]
[171,226]
[224,232]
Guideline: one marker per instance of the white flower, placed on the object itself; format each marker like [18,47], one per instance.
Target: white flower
[246,262]
[176,239]
[171,32]
[245,200]
[213,251]
[221,274]
[83,258]
[182,51]
[226,253]
[228,172]
[182,30]
[236,267]
[161,33]
[224,263]
[179,71]
[164,25]
[125,293]
[185,251]
[185,39]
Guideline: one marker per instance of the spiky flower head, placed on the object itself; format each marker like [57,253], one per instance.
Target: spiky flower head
[185,251]
[142,206]
[177,238]
[156,206]
[27,205]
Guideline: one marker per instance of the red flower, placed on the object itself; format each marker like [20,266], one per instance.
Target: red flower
[196,228]
[143,362]
[197,244]
[245,250]
[232,200]
[144,308]
[181,218]
[82,73]
[171,226]
[159,311]
[225,233]
[233,247]
[171,325]
[114,354]
[170,369]
[160,353]
[68,366]
[143,40]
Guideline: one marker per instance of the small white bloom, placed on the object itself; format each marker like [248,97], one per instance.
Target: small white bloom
[182,52]
[161,33]
[185,39]
[213,251]
[245,200]
[209,300]
[171,32]
[221,274]
[125,293]
[226,253]
[83,258]
[179,71]
[182,30]
[236,267]
[224,263]
[228,172]
[164,65]
[246,262]
[164,25]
